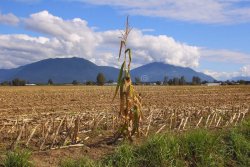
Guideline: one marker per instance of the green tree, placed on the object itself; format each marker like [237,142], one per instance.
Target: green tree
[205,82]
[182,80]
[50,82]
[196,80]
[242,82]
[18,82]
[158,82]
[75,82]
[170,82]
[110,81]
[6,83]
[100,79]
[176,81]
[89,83]
[165,80]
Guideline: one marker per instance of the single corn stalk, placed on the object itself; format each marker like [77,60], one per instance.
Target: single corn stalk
[130,101]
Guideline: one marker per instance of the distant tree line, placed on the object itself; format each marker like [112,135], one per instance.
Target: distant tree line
[174,81]
[182,81]
[101,80]
[14,82]
[6,83]
[50,82]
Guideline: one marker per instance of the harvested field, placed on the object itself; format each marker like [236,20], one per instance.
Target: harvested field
[61,121]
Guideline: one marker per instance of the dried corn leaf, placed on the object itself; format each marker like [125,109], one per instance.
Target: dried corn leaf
[129,53]
[119,81]
[120,50]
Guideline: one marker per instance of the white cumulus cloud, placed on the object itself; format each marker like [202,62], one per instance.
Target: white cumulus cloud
[20,49]
[245,71]
[75,35]
[164,49]
[68,38]
[9,18]
[221,75]
[242,72]
[150,48]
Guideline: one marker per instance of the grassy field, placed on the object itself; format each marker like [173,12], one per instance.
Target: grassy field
[54,122]
[198,147]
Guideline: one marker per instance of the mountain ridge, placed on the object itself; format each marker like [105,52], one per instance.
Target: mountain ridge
[171,71]
[245,78]
[65,70]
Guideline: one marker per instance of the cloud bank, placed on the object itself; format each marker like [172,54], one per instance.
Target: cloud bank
[75,38]
[68,38]
[243,72]
[9,19]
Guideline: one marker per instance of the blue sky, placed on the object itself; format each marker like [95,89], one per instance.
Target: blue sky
[211,36]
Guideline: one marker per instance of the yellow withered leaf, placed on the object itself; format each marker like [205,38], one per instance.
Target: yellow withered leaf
[131,91]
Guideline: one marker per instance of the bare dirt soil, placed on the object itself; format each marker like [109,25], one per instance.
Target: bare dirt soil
[56,122]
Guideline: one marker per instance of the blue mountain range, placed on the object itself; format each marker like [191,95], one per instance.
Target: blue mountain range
[65,70]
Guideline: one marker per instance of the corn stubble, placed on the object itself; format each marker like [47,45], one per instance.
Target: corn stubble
[130,101]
